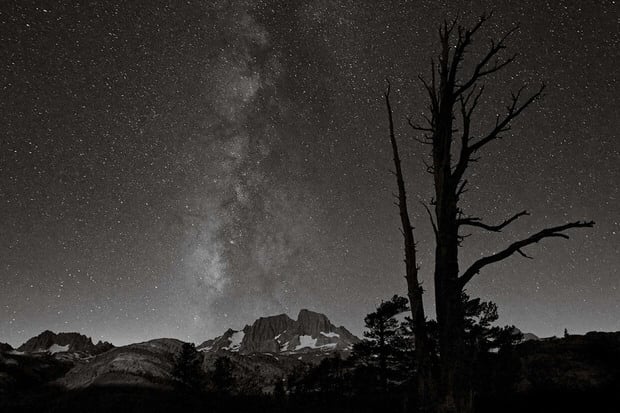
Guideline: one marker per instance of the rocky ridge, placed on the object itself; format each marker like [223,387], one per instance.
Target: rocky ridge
[141,364]
[51,342]
[280,334]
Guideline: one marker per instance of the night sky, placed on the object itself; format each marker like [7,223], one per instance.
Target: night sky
[172,169]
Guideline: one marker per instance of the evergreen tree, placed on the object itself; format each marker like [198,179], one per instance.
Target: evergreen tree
[222,376]
[188,367]
[388,344]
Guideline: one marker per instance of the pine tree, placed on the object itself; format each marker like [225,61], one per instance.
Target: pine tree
[222,376]
[388,343]
[188,367]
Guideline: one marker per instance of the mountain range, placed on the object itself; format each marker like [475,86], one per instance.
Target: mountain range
[259,354]
[262,354]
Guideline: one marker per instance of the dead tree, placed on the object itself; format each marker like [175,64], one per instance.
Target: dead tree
[424,382]
[454,98]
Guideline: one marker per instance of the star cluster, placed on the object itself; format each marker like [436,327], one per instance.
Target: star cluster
[178,168]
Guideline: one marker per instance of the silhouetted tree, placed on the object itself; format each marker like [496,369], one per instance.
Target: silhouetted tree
[425,383]
[188,367]
[481,336]
[326,377]
[222,377]
[454,97]
[388,342]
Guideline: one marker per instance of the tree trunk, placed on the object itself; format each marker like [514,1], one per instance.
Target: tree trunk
[424,380]
[454,389]
[454,385]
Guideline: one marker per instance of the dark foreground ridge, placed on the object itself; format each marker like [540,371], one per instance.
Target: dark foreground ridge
[574,373]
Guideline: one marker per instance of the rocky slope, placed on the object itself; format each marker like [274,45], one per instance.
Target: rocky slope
[312,332]
[142,364]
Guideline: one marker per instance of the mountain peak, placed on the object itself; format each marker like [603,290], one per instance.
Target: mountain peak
[313,323]
[305,311]
[261,336]
[281,334]
[48,341]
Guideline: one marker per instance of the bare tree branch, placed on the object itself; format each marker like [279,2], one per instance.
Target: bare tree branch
[430,217]
[475,222]
[431,89]
[517,248]
[407,228]
[417,127]
[513,110]
[524,255]
[482,69]
[466,113]
[501,125]
[461,190]
[463,41]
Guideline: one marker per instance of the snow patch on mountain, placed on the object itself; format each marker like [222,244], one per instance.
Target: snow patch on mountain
[306,341]
[55,348]
[235,341]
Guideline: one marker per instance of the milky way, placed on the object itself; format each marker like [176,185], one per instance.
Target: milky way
[173,169]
